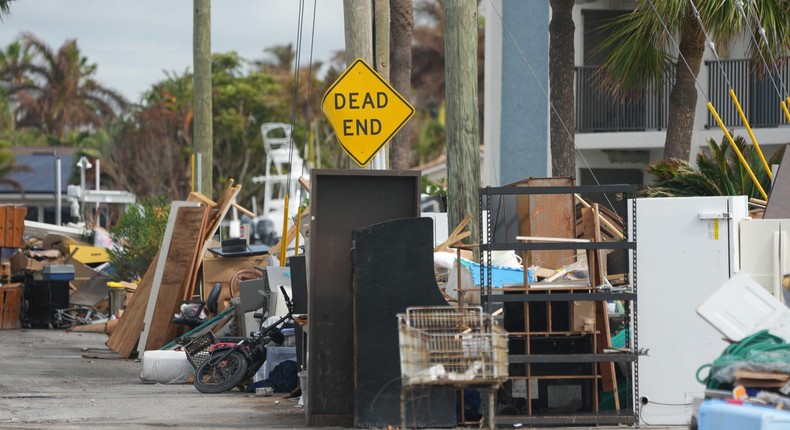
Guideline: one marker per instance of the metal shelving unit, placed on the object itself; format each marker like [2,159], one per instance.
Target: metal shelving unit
[546,353]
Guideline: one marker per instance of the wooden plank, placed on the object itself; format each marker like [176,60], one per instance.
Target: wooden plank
[124,339]
[195,196]
[11,306]
[19,227]
[547,215]
[4,213]
[175,223]
[178,274]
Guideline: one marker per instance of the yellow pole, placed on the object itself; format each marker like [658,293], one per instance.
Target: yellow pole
[192,173]
[751,134]
[298,225]
[284,245]
[784,108]
[737,151]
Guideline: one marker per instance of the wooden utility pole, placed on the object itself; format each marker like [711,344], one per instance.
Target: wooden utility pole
[202,125]
[358,17]
[402,27]
[463,152]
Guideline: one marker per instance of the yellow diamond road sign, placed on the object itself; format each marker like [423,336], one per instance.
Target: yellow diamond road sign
[365,111]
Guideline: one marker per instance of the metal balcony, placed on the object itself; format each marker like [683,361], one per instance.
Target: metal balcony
[757,94]
[598,112]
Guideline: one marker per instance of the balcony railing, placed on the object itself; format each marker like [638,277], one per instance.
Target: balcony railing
[757,95]
[598,112]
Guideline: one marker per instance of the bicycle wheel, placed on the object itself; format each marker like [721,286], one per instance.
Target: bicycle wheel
[221,373]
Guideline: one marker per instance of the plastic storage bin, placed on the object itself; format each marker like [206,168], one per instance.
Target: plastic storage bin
[722,415]
[55,272]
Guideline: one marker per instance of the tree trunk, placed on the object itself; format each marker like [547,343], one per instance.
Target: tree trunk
[402,25]
[202,127]
[463,153]
[561,75]
[683,98]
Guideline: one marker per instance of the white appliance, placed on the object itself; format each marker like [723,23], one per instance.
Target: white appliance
[765,255]
[687,247]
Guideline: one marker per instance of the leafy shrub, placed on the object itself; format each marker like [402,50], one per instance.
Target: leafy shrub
[138,237]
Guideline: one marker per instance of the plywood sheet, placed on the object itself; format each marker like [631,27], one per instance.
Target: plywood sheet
[179,267]
[124,339]
[547,215]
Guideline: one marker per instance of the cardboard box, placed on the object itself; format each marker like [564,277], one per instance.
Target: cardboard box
[221,269]
[583,316]
[34,260]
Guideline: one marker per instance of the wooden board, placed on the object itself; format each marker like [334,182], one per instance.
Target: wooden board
[547,215]
[124,339]
[10,306]
[180,265]
[12,226]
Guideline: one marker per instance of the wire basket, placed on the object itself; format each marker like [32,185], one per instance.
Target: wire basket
[198,349]
[448,346]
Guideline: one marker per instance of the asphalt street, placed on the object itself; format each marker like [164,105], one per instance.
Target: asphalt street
[52,379]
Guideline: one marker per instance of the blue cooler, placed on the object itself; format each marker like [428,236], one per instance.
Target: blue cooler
[721,415]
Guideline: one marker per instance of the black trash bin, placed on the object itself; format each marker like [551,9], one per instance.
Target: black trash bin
[47,291]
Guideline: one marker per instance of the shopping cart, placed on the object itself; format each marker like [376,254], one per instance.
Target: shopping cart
[450,346]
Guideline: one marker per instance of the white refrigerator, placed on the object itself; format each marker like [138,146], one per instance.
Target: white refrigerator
[765,254]
[686,248]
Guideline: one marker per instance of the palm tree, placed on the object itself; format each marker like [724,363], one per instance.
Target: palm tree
[717,173]
[402,26]
[5,8]
[644,54]
[563,122]
[59,93]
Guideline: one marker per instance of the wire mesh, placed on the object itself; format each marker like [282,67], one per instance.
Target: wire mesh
[451,346]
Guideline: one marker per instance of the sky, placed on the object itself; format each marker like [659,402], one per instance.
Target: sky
[133,42]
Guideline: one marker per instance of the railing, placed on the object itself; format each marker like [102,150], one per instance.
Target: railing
[598,112]
[757,95]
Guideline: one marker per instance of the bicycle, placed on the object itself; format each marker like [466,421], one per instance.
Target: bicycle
[78,315]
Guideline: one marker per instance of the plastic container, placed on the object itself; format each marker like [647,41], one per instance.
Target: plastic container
[303,387]
[723,415]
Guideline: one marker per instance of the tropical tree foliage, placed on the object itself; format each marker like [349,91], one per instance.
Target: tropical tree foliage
[662,41]
[718,172]
[57,92]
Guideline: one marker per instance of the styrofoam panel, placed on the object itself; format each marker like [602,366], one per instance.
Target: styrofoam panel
[742,307]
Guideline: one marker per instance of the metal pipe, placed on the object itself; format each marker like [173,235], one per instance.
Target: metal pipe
[284,246]
[784,108]
[199,169]
[751,134]
[58,193]
[737,151]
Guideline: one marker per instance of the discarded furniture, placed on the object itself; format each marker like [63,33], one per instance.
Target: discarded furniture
[191,314]
[342,201]
[392,271]
[560,357]
[449,346]
[687,249]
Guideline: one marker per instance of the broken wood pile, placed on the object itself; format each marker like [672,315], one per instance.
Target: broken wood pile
[171,278]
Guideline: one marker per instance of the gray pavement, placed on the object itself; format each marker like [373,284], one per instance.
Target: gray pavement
[53,379]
